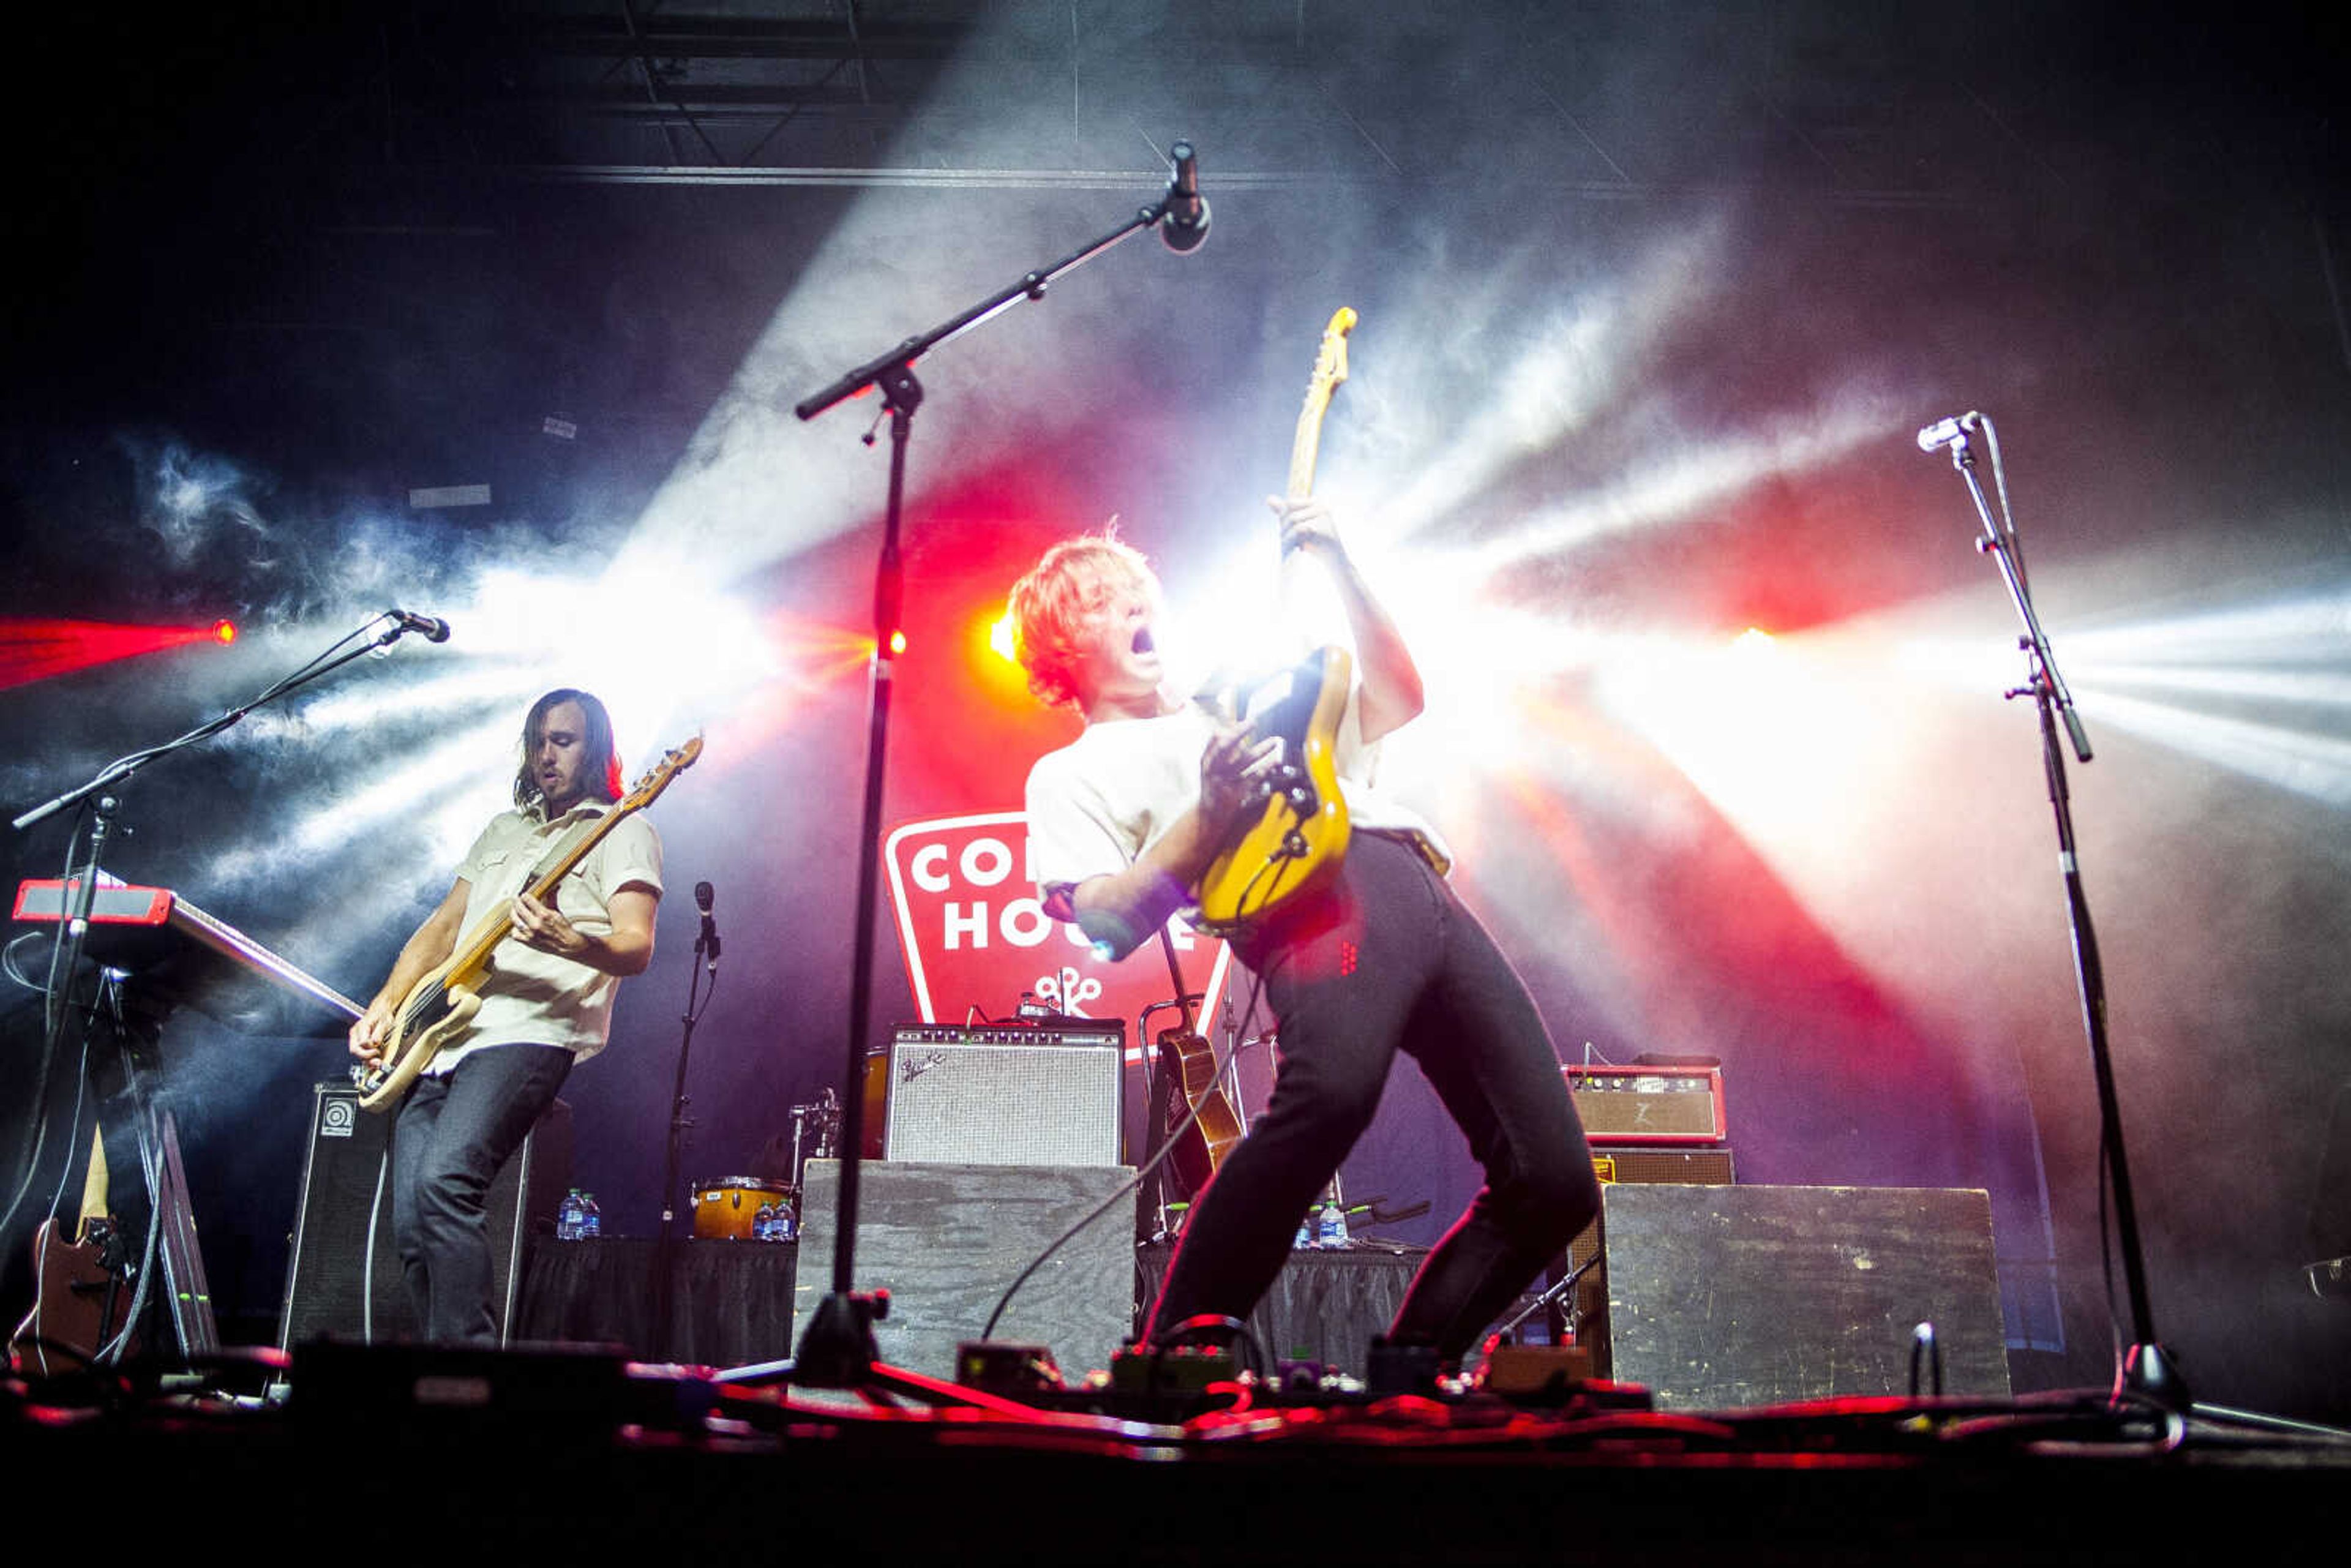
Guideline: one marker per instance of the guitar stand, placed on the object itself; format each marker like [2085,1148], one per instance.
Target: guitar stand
[139,1130]
[1551,1298]
[838,1349]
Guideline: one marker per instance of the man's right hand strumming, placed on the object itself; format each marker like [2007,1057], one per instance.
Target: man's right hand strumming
[367,1034]
[1231,765]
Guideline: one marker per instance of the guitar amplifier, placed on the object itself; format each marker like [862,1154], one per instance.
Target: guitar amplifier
[1648,1105]
[342,1276]
[1005,1097]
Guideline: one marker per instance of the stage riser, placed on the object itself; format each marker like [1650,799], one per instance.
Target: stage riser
[945,1240]
[1727,1297]
[337,1285]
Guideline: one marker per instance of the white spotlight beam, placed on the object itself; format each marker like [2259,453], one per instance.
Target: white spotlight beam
[1708,471]
[2314,766]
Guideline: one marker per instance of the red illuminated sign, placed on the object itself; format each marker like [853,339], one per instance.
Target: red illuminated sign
[975,936]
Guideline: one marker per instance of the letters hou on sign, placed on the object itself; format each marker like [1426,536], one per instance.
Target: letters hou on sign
[995,902]
[976,937]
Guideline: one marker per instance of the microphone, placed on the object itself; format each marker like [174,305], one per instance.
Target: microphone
[1943,432]
[1186,222]
[703,894]
[435,630]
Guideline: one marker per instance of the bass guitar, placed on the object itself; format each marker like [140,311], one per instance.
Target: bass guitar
[1298,832]
[438,1008]
[81,1288]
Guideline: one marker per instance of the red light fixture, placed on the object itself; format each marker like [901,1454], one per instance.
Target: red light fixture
[33,649]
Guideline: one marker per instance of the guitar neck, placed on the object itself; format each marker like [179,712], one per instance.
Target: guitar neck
[1292,580]
[1307,445]
[94,1184]
[485,937]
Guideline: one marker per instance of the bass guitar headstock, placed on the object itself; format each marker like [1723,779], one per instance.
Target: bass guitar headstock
[674,761]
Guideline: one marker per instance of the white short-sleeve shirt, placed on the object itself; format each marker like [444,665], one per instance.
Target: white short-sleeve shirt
[537,998]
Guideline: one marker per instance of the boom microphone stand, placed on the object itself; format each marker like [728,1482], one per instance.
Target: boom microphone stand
[2148,1371]
[102,795]
[838,1349]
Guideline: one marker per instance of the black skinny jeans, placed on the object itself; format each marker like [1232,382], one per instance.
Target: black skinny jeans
[453,1134]
[1385,958]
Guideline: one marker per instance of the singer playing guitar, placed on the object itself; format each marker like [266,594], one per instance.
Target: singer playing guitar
[546,1004]
[1377,957]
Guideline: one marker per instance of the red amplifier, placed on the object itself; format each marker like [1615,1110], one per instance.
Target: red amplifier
[1653,1105]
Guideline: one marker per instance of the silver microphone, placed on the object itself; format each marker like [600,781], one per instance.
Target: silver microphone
[1186,222]
[1943,432]
[435,630]
[704,896]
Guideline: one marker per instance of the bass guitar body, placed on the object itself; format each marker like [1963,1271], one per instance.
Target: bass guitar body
[1298,833]
[81,1294]
[78,1306]
[434,1013]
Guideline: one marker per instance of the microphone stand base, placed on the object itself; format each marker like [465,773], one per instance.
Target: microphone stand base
[838,1349]
[2150,1373]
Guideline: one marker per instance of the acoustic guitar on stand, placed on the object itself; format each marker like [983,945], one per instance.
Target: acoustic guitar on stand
[438,1008]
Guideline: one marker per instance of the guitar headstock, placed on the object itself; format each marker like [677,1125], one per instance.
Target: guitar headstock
[1330,360]
[674,761]
[1330,370]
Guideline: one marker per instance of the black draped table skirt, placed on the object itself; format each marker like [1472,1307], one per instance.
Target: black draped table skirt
[1323,1306]
[731,1302]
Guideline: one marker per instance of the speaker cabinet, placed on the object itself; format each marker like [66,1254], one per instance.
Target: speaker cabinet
[945,1240]
[1727,1297]
[342,1279]
[1587,1310]
[1005,1097]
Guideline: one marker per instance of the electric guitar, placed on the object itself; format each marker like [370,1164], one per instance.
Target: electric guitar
[1300,832]
[437,1009]
[81,1292]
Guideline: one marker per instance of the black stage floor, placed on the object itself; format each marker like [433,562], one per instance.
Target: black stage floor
[374,1454]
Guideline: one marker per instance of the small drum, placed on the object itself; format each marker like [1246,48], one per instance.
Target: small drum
[725,1209]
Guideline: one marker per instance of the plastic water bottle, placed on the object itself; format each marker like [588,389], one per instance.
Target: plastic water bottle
[1331,1227]
[592,1220]
[763,1224]
[1305,1237]
[567,1216]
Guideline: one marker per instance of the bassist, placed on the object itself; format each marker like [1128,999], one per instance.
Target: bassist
[1376,956]
[545,1003]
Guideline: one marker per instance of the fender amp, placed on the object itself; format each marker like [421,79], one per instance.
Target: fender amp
[1005,1097]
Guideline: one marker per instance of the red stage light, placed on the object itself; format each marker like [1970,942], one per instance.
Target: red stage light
[897,642]
[224,632]
[35,650]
